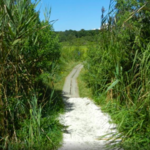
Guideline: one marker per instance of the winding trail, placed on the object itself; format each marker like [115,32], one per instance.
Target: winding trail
[84,120]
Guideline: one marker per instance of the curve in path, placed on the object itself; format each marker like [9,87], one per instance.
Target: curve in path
[84,120]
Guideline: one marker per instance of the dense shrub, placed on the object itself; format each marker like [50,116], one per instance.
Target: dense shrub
[119,68]
[29,54]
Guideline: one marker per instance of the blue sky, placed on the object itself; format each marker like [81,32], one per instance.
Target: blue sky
[74,14]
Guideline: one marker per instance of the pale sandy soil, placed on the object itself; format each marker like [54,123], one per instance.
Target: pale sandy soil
[84,120]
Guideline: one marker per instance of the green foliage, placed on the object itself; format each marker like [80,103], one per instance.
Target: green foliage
[29,57]
[84,91]
[118,71]
[82,37]
[72,53]
[38,132]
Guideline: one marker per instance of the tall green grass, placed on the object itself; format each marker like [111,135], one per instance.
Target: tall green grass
[29,60]
[84,90]
[73,53]
[118,72]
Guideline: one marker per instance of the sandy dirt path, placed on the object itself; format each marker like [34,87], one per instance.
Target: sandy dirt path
[84,120]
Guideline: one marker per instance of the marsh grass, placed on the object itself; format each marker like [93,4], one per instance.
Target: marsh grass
[84,90]
[73,53]
[118,72]
[29,60]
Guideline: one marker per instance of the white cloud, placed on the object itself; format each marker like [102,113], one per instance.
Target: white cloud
[96,29]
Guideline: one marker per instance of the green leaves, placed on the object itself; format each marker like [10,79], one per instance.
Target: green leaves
[16,42]
[28,50]
[9,13]
[112,85]
[119,68]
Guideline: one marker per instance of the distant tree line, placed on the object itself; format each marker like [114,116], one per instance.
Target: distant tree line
[72,35]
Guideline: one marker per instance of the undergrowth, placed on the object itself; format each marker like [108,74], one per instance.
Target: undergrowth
[131,123]
[29,63]
[84,90]
[118,71]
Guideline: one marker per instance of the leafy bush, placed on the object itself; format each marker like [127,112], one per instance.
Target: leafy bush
[29,54]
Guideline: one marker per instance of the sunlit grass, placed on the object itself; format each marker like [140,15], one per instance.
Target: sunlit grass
[84,90]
